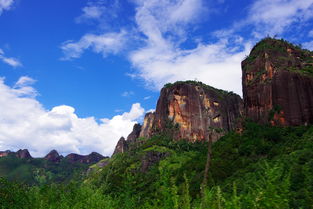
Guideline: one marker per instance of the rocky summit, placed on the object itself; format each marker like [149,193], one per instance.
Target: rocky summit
[53,156]
[277,80]
[92,158]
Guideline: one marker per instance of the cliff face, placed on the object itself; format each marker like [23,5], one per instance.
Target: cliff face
[197,109]
[121,146]
[23,154]
[135,133]
[277,80]
[53,156]
[146,129]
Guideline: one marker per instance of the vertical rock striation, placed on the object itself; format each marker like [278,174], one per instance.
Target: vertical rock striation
[277,80]
[147,127]
[197,109]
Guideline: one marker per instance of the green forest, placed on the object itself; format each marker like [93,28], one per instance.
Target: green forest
[262,167]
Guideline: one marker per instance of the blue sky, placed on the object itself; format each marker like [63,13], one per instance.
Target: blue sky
[78,74]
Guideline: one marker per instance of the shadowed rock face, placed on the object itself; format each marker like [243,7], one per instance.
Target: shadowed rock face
[135,133]
[92,158]
[278,84]
[53,156]
[146,129]
[23,154]
[121,146]
[197,109]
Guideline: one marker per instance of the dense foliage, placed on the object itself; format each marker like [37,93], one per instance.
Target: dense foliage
[263,167]
[38,171]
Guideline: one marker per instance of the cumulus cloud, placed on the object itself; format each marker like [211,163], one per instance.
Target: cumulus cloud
[5,5]
[162,60]
[106,43]
[9,60]
[24,123]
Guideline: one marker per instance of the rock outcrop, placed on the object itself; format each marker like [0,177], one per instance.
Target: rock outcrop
[146,129]
[53,156]
[92,158]
[278,84]
[23,154]
[5,153]
[197,109]
[135,133]
[121,146]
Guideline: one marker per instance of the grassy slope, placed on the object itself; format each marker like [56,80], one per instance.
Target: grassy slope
[265,167]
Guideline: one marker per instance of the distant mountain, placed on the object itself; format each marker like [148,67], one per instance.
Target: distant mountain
[22,167]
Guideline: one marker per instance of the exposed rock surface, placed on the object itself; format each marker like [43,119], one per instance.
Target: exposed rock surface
[121,146]
[53,156]
[23,154]
[135,133]
[278,84]
[5,153]
[146,129]
[197,109]
[92,158]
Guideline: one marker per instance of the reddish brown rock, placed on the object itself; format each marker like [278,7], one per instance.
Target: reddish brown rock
[92,158]
[23,154]
[197,109]
[5,153]
[135,133]
[121,146]
[53,156]
[278,84]
[146,129]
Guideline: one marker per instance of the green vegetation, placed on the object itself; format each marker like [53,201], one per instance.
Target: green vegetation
[264,167]
[39,171]
[282,54]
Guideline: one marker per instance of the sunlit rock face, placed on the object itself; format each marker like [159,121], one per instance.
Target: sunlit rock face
[121,146]
[147,127]
[197,109]
[277,80]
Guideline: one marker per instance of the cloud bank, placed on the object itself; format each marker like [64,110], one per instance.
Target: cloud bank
[24,123]
[164,27]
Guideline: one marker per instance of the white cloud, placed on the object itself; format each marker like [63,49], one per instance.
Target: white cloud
[162,60]
[308,45]
[147,97]
[106,43]
[272,17]
[127,94]
[5,5]
[92,12]
[24,123]
[9,60]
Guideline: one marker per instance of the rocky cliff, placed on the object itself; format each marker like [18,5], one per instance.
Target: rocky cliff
[92,158]
[197,109]
[277,79]
[23,154]
[121,146]
[146,129]
[53,156]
